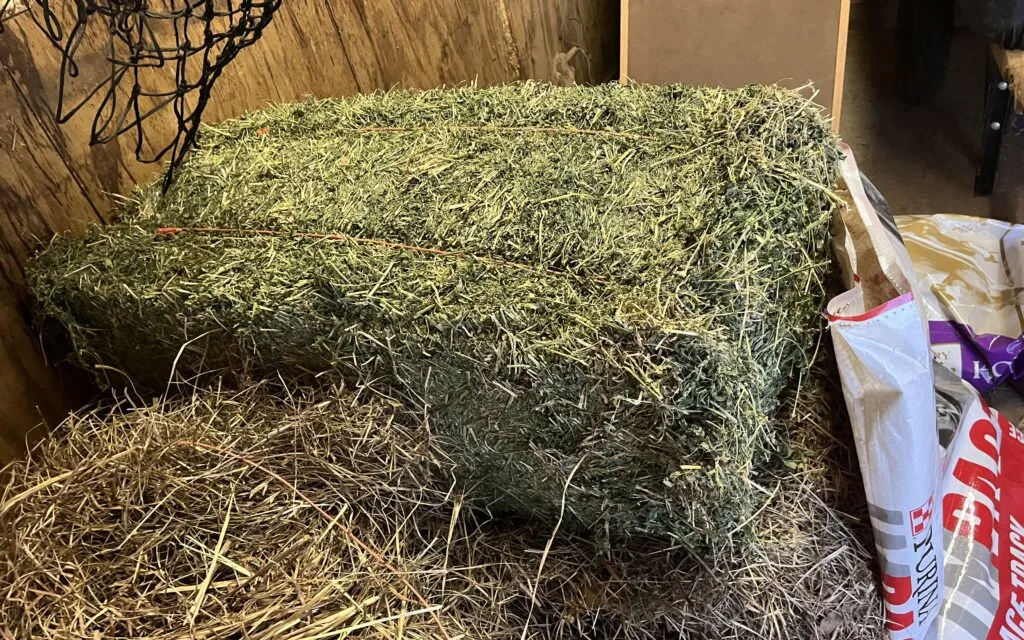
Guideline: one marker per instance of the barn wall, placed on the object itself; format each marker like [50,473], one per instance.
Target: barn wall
[52,181]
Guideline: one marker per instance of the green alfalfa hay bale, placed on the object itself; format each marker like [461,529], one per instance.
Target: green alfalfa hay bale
[610,283]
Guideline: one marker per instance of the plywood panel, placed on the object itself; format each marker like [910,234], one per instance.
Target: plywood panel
[840,81]
[39,191]
[30,393]
[733,43]
[322,49]
[52,180]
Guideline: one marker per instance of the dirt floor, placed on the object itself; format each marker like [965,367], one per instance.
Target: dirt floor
[923,158]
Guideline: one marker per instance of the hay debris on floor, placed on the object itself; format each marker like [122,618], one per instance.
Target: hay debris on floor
[239,514]
[610,283]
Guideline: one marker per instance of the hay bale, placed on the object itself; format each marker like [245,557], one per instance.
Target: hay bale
[609,283]
[242,513]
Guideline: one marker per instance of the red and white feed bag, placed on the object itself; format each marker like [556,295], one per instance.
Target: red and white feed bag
[943,472]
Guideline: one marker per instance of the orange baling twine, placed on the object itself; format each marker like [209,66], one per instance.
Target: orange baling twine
[172,231]
[493,129]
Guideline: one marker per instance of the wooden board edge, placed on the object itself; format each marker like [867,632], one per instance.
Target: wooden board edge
[840,80]
[624,43]
[1011,66]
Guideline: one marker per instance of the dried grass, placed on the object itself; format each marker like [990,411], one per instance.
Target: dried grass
[615,282]
[304,515]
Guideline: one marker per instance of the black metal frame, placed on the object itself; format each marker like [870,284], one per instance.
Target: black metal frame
[160,56]
[998,104]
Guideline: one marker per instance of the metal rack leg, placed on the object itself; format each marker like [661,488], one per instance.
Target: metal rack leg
[997,118]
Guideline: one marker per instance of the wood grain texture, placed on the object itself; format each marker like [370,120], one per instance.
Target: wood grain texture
[840,81]
[1011,63]
[733,43]
[624,43]
[52,180]
[30,392]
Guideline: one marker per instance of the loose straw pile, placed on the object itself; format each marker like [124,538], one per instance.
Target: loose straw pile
[245,515]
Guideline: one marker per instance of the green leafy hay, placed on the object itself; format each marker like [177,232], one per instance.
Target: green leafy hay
[610,283]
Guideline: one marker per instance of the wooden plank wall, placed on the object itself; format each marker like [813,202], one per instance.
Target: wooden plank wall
[52,181]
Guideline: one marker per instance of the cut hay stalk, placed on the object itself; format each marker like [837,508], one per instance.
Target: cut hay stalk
[332,521]
[619,279]
[127,548]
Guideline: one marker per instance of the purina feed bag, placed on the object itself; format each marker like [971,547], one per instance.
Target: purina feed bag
[882,351]
[943,471]
[969,272]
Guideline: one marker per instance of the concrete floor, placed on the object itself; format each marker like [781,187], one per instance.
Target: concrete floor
[923,158]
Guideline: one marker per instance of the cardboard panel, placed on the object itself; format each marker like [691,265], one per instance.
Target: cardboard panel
[733,43]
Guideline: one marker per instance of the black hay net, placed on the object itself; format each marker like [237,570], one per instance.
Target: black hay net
[159,54]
